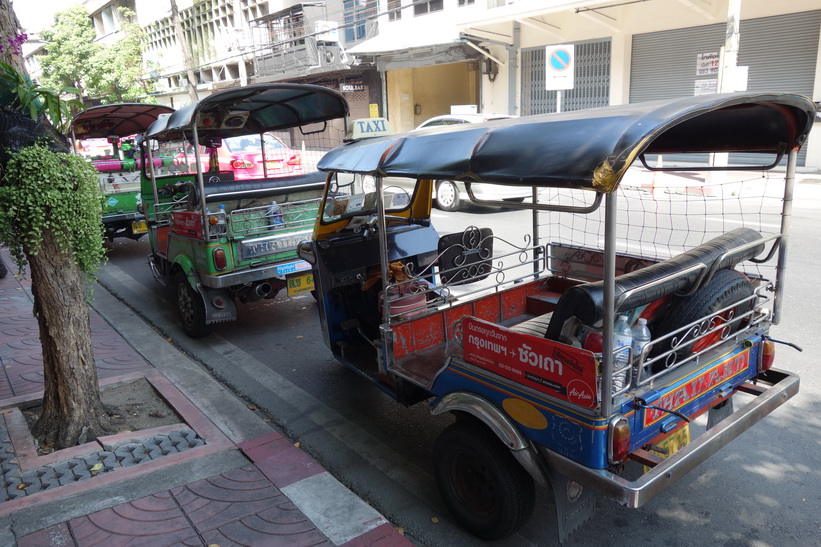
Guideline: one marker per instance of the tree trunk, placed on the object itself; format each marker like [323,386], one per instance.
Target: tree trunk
[72,410]
[9,27]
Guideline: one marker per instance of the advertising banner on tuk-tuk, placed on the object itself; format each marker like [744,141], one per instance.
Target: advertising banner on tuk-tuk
[559,370]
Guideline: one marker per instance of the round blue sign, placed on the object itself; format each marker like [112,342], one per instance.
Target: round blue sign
[559,59]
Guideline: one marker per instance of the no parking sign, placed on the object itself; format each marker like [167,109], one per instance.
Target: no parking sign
[560,67]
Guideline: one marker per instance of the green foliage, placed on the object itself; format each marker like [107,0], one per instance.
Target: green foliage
[111,73]
[33,100]
[50,191]
[70,46]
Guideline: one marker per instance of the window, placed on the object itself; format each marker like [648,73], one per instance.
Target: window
[466,2]
[394,10]
[357,13]
[106,21]
[421,8]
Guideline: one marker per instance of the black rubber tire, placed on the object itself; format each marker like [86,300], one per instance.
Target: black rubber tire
[190,307]
[724,289]
[447,195]
[483,485]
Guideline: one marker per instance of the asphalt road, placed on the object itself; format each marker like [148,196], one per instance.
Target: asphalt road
[762,489]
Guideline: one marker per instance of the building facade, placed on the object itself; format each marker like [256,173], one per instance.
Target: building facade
[623,51]
[410,60]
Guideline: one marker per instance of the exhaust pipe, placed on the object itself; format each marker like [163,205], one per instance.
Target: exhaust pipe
[263,289]
[252,294]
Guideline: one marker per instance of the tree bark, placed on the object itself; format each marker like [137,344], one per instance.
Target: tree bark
[72,410]
[9,28]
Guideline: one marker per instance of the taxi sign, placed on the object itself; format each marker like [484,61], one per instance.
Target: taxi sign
[364,128]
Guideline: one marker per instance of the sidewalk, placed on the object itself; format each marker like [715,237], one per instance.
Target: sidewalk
[221,476]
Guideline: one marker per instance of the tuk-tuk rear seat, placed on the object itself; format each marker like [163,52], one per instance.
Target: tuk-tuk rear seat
[253,189]
[586,301]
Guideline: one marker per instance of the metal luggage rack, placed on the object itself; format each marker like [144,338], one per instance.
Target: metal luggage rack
[728,326]
[254,221]
[163,211]
[470,280]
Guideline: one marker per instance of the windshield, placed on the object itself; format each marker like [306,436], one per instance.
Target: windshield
[355,195]
[250,143]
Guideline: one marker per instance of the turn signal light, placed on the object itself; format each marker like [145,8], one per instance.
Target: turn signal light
[220,258]
[767,355]
[619,439]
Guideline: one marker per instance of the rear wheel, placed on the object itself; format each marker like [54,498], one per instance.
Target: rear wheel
[191,308]
[482,484]
[447,195]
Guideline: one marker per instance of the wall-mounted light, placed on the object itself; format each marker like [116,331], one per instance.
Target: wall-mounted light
[417,109]
[489,67]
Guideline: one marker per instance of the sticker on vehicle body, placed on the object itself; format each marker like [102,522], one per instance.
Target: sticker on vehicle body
[701,384]
[563,371]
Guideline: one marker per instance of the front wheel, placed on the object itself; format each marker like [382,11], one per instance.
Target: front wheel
[447,195]
[191,308]
[482,484]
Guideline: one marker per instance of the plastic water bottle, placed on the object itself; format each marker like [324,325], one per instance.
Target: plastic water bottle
[622,341]
[641,337]
[275,213]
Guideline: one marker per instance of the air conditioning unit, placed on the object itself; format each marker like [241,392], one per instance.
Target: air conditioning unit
[327,31]
[329,55]
[235,119]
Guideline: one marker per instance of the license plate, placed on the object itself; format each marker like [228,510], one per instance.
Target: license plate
[139,227]
[298,284]
[273,164]
[671,444]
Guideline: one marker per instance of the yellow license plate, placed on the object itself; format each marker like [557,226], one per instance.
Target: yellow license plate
[273,164]
[671,444]
[139,227]
[298,284]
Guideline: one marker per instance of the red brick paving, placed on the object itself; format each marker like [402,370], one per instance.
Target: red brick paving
[240,507]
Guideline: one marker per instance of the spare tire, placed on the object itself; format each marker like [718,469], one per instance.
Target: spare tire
[726,288]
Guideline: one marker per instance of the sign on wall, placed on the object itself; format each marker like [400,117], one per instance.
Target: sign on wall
[560,67]
[707,63]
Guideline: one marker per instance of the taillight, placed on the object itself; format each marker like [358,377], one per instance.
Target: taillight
[241,163]
[619,439]
[220,258]
[296,159]
[767,355]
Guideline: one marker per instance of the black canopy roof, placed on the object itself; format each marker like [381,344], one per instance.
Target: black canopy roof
[254,109]
[588,149]
[120,120]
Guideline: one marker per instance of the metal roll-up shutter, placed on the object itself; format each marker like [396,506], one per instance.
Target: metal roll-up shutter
[664,63]
[591,87]
[780,52]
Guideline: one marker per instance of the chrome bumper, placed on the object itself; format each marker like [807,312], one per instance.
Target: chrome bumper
[252,274]
[638,492]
